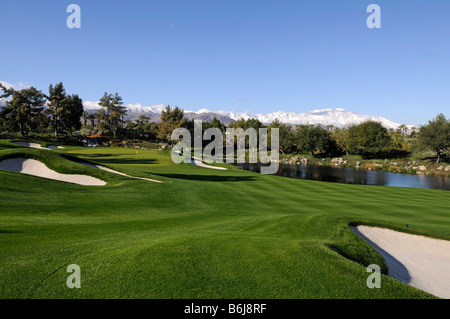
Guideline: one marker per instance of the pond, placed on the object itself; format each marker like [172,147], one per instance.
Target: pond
[354,176]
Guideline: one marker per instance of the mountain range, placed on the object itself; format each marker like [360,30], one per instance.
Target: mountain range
[337,117]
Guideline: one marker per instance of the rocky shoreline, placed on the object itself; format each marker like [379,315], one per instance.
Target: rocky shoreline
[404,167]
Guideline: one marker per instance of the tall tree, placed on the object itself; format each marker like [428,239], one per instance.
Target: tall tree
[36,101]
[403,128]
[118,113]
[170,120]
[84,117]
[114,112]
[253,123]
[216,123]
[102,123]
[104,113]
[72,110]
[286,136]
[313,139]
[435,136]
[240,123]
[14,110]
[368,137]
[141,121]
[91,118]
[56,97]
[22,113]
[340,136]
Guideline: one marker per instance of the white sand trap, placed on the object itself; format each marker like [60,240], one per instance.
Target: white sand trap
[419,261]
[119,173]
[36,145]
[36,168]
[198,162]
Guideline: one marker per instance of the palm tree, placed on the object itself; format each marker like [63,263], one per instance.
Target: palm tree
[100,116]
[91,118]
[403,128]
[84,116]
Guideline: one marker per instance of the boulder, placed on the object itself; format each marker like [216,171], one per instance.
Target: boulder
[337,161]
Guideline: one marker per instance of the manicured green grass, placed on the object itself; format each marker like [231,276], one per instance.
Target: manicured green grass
[200,234]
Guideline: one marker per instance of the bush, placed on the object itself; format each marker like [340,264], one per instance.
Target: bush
[392,170]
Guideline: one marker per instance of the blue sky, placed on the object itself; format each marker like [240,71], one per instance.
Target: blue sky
[257,56]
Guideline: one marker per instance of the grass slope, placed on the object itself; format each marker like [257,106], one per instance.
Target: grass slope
[199,234]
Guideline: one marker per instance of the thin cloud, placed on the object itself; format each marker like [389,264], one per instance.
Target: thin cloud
[20,86]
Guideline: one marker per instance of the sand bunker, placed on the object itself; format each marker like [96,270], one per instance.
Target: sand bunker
[119,173]
[418,261]
[36,145]
[36,168]
[197,162]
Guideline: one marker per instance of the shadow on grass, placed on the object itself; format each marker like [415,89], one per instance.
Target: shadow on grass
[207,178]
[98,154]
[107,159]
[396,269]
[73,158]
[10,232]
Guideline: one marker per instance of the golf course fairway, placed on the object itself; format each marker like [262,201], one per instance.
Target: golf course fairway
[201,233]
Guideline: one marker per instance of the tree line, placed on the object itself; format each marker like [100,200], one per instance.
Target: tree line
[369,139]
[29,111]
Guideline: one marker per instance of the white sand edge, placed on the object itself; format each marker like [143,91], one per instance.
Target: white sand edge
[119,173]
[37,168]
[195,161]
[36,145]
[419,261]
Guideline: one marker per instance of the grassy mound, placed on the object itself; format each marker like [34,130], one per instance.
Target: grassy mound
[55,162]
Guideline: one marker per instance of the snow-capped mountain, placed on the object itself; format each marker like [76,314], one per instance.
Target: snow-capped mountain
[131,108]
[337,117]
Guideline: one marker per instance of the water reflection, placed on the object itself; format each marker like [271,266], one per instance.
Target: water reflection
[355,176]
